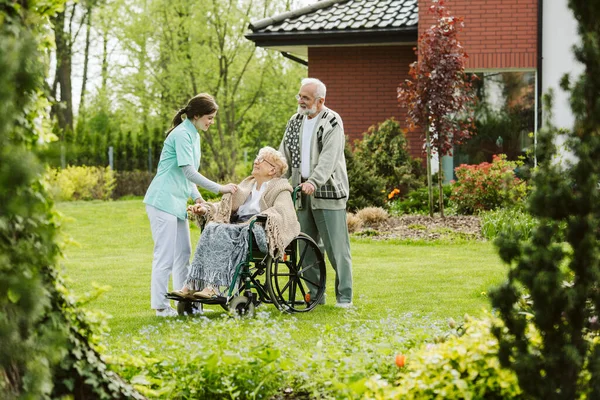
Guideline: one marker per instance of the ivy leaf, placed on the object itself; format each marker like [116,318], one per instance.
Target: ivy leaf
[13,296]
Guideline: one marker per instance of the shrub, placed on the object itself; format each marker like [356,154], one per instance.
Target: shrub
[132,183]
[48,347]
[366,188]
[263,357]
[417,201]
[464,366]
[81,183]
[354,223]
[136,183]
[512,221]
[372,215]
[384,151]
[487,186]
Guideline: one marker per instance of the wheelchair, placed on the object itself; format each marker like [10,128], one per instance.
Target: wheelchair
[286,282]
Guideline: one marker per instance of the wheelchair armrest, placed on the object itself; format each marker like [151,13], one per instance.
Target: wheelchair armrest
[258,218]
[261,218]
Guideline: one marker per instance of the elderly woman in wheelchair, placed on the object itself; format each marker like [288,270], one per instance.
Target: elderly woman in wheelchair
[226,242]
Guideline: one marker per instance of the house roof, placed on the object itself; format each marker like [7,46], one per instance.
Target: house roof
[339,22]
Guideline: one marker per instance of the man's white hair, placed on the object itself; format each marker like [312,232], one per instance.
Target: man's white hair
[321,91]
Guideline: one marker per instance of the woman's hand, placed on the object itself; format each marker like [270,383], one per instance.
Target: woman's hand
[229,188]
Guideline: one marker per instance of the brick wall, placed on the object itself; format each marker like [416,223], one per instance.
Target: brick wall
[361,85]
[497,34]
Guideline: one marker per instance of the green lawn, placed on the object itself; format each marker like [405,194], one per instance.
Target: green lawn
[109,243]
[404,294]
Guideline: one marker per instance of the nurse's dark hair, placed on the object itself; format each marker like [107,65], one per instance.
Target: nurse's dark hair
[198,106]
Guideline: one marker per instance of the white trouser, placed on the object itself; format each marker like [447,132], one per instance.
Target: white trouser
[172,250]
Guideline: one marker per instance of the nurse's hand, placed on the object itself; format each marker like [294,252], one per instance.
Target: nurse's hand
[197,209]
[229,188]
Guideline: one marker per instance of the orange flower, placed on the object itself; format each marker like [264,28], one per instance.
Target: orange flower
[393,193]
[400,360]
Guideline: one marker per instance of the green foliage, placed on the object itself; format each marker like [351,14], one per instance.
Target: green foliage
[367,188]
[47,349]
[487,186]
[131,183]
[511,221]
[560,272]
[264,358]
[464,366]
[81,183]
[417,201]
[384,151]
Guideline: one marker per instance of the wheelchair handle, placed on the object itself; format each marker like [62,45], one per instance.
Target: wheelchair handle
[295,193]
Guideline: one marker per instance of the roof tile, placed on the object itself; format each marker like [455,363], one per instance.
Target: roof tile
[339,15]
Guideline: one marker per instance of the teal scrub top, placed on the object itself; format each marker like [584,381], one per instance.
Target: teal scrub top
[170,189]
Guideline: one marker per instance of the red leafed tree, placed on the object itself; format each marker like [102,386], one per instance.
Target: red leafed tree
[439,95]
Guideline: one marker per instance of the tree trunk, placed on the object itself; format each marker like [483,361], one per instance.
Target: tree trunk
[86,58]
[440,184]
[429,183]
[64,111]
[104,67]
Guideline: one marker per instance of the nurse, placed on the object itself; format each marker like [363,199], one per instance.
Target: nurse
[166,199]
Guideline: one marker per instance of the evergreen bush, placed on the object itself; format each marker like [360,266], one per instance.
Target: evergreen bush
[132,183]
[48,345]
[554,347]
[366,187]
[384,151]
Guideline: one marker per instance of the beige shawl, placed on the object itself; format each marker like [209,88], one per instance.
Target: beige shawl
[276,204]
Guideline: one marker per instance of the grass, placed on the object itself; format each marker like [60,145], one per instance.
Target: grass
[404,293]
[109,243]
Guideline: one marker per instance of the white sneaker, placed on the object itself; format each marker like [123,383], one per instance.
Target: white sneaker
[167,312]
[344,305]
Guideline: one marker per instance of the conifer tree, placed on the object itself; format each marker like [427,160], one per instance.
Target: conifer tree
[550,302]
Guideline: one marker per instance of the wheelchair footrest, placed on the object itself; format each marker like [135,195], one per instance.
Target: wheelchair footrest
[214,300]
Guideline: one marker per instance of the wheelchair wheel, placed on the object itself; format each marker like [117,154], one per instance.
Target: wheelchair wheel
[297,283]
[241,307]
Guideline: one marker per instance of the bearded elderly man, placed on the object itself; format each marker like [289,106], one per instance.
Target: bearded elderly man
[313,145]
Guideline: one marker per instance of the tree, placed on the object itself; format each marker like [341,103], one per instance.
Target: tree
[438,95]
[176,51]
[550,302]
[66,30]
[48,345]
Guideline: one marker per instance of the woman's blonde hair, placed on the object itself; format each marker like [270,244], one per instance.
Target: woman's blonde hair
[275,158]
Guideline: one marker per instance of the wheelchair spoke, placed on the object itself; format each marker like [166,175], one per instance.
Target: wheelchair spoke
[307,268]
[309,281]
[301,257]
[291,282]
[284,288]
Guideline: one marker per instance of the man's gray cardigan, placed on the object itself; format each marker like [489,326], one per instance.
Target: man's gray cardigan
[328,172]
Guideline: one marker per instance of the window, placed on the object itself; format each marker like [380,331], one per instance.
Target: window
[505,117]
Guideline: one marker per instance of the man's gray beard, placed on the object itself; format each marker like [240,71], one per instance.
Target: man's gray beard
[307,111]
